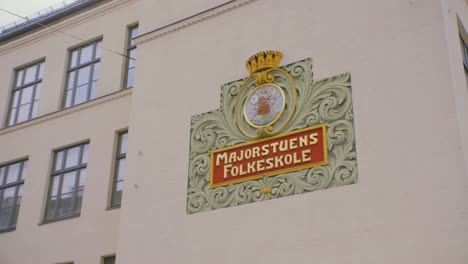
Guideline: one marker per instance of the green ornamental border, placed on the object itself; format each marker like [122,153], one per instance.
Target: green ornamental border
[326,101]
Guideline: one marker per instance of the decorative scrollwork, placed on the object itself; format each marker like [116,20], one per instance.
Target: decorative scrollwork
[325,101]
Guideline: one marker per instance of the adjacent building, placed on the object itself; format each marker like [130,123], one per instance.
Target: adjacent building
[96,98]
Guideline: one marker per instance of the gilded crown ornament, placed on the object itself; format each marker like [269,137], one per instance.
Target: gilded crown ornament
[264,60]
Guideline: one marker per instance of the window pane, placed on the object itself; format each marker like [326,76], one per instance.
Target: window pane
[55,185]
[98,50]
[123,143]
[73,155]
[11,118]
[83,75]
[35,109]
[109,260]
[8,197]
[134,32]
[59,160]
[38,91]
[51,207]
[2,175]
[120,169]
[52,202]
[17,205]
[15,98]
[67,191]
[68,101]
[93,90]
[19,78]
[26,95]
[74,59]
[96,71]
[85,154]
[71,79]
[13,172]
[6,207]
[81,95]
[132,55]
[82,180]
[79,195]
[30,74]
[41,70]
[23,114]
[68,184]
[86,54]
[130,77]
[25,169]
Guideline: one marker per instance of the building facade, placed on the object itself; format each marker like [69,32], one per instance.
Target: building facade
[104,75]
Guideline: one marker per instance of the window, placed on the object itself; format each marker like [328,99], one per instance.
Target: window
[83,74]
[465,54]
[119,170]
[131,56]
[25,95]
[67,182]
[109,260]
[11,190]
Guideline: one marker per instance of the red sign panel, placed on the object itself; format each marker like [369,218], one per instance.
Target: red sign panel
[271,156]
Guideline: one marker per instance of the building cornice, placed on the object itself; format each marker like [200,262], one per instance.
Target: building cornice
[64,25]
[67,111]
[191,20]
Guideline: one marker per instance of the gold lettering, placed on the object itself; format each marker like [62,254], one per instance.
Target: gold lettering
[255,152]
[279,161]
[274,145]
[303,142]
[242,171]
[283,145]
[265,150]
[288,159]
[293,143]
[313,138]
[305,155]
[221,157]
[251,167]
[240,157]
[235,171]
[232,157]
[269,163]
[260,166]
[296,160]
[226,170]
[248,153]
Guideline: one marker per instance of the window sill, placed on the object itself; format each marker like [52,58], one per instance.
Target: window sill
[6,230]
[48,221]
[113,207]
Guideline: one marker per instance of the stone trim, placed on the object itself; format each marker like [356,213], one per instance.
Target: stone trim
[191,20]
[67,111]
[67,23]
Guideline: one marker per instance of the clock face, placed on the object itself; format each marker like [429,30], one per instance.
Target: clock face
[264,105]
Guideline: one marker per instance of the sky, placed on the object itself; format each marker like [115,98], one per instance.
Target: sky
[23,8]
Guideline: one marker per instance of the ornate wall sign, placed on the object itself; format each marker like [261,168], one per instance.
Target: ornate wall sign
[277,133]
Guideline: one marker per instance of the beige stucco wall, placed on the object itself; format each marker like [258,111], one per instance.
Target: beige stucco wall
[93,234]
[409,205]
[455,15]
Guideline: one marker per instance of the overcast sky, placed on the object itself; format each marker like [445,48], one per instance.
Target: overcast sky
[22,8]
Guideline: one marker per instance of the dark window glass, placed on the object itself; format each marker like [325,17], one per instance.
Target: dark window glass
[109,260]
[24,100]
[11,190]
[465,54]
[131,57]
[83,74]
[67,182]
[120,160]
